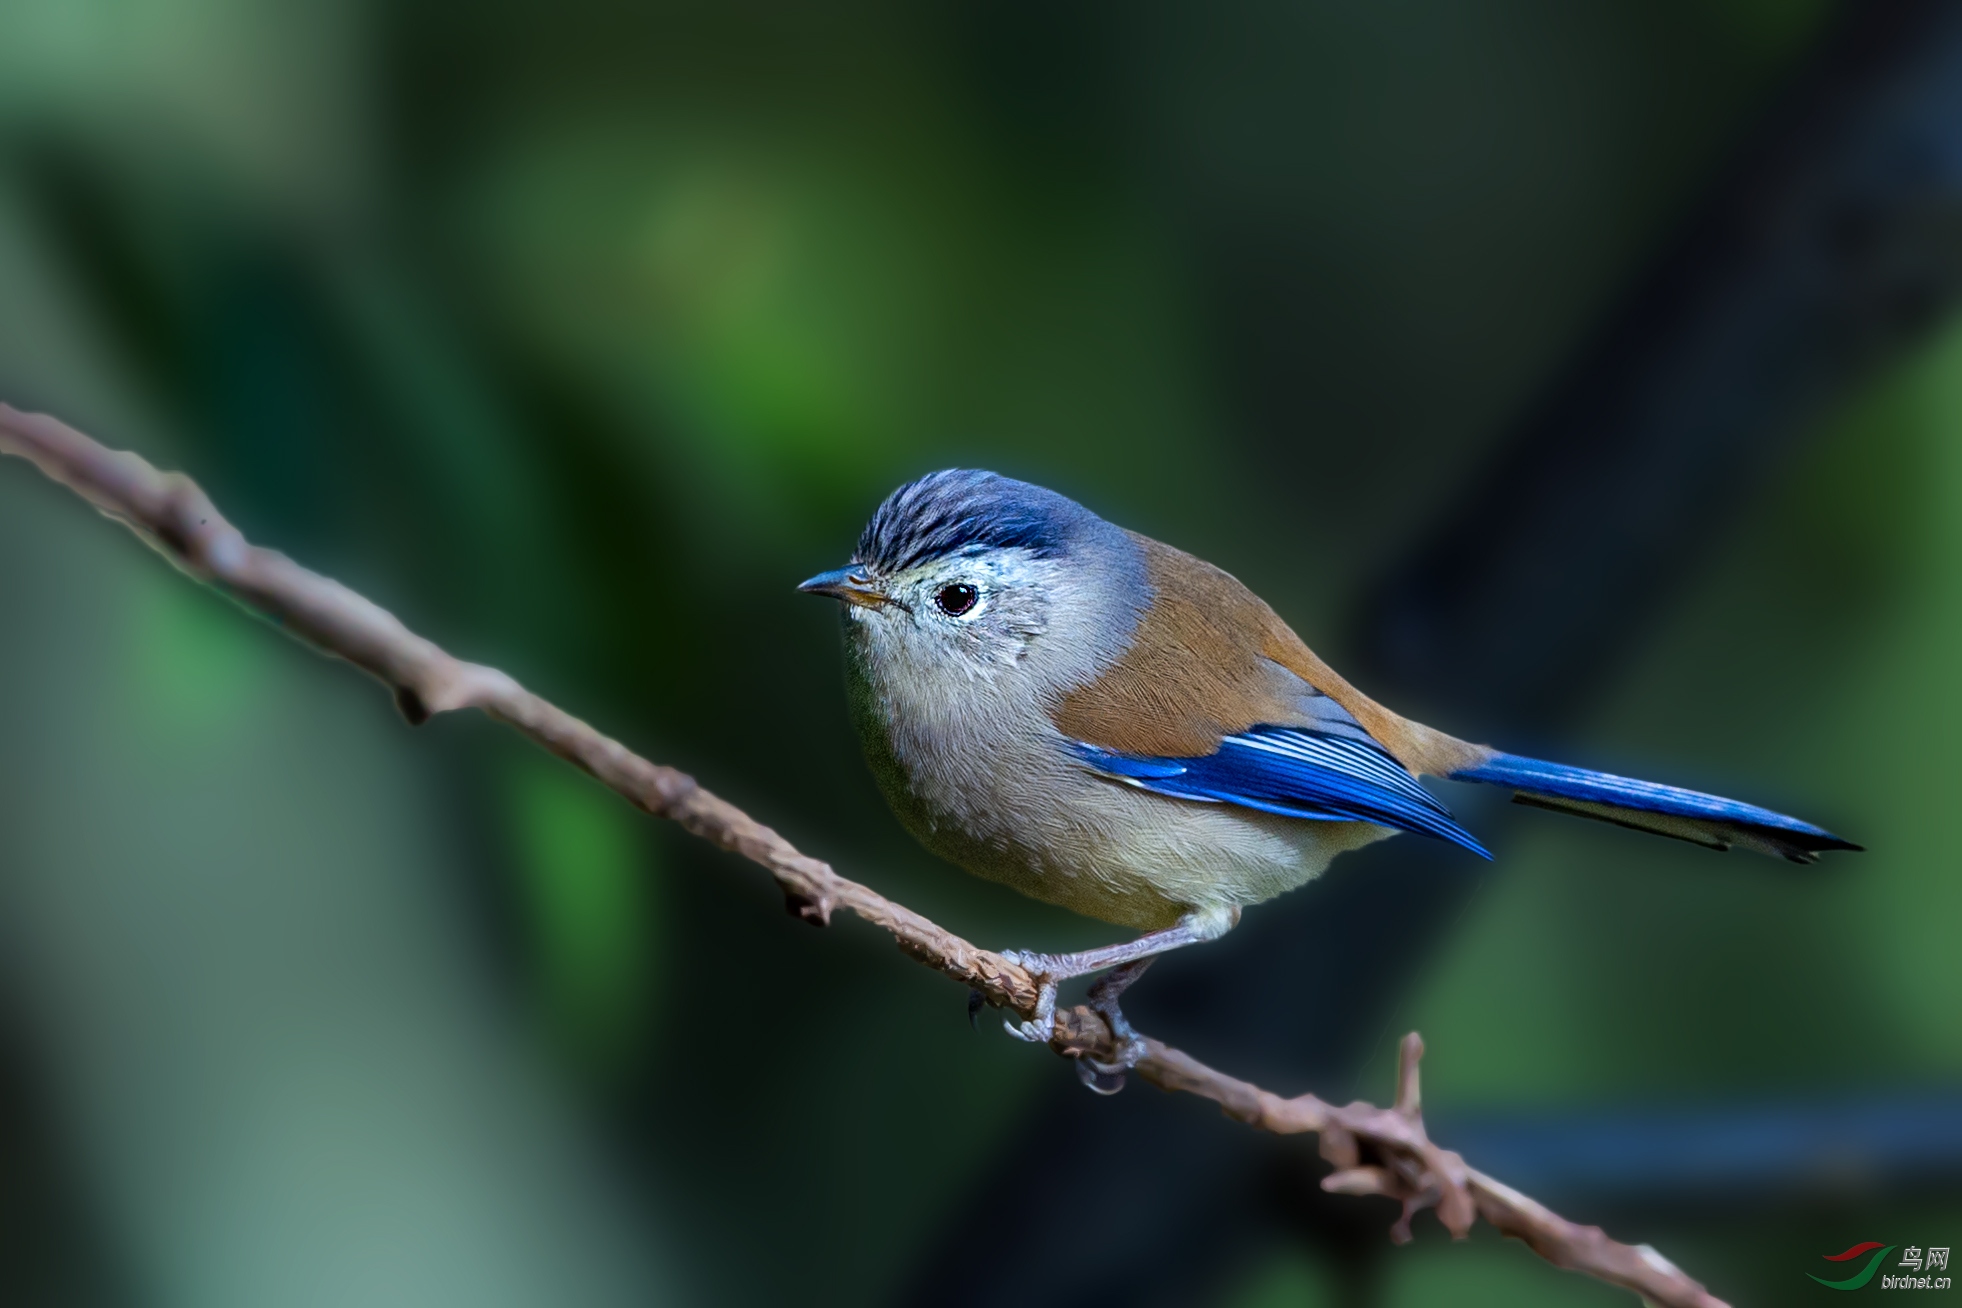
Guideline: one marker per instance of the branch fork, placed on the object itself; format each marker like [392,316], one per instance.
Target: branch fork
[1408,1167]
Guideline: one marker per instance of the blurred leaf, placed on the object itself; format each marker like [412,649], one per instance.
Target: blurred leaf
[198,666]
[587,893]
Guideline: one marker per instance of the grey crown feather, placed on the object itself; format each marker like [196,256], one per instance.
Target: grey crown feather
[957,509]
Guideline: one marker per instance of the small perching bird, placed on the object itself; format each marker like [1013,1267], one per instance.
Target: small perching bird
[1106,723]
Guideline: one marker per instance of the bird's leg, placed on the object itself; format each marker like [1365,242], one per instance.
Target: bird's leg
[1108,1078]
[1051,970]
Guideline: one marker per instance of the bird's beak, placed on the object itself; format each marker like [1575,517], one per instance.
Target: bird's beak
[849,585]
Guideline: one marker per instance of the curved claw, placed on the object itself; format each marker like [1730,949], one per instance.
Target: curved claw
[1130,1052]
[1099,1078]
[1108,1078]
[1028,1031]
[1039,1029]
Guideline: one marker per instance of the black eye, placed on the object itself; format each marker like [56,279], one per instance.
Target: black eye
[956,599]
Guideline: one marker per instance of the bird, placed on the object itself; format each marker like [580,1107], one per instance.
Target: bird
[1107,723]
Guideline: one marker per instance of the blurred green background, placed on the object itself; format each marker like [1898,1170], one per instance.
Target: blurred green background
[577,334]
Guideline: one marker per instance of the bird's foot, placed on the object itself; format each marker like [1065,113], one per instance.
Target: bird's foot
[1125,961]
[1039,1029]
[1108,1078]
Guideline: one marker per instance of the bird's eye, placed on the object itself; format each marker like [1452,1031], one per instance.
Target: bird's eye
[956,599]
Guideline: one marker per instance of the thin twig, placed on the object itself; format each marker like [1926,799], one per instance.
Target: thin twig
[1373,1150]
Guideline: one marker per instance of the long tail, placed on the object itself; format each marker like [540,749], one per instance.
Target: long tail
[1666,810]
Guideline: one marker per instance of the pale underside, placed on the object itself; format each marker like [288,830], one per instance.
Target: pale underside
[1127,856]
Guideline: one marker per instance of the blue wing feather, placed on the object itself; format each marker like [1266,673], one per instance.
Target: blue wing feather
[1297,773]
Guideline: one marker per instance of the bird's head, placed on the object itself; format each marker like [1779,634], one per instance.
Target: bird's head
[969,572]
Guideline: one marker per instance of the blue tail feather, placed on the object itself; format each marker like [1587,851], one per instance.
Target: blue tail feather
[1665,810]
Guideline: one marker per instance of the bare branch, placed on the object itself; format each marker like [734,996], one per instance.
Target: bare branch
[1382,1151]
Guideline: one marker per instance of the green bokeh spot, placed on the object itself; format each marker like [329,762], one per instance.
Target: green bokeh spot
[1288,1279]
[195,671]
[585,893]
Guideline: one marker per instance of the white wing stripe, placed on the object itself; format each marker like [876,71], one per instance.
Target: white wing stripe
[1339,755]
